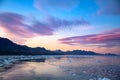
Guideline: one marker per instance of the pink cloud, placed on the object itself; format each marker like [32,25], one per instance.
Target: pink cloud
[108,39]
[13,23]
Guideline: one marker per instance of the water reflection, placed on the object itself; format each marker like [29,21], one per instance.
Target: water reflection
[67,68]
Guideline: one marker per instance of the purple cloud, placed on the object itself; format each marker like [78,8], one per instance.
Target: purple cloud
[108,39]
[13,23]
[111,7]
[56,4]
[16,24]
[51,24]
[41,28]
[56,22]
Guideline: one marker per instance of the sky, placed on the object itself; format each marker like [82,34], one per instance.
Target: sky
[92,25]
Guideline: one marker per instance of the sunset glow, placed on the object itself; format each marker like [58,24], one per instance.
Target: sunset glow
[92,25]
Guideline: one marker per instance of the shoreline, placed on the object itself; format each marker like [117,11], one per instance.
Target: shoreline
[11,59]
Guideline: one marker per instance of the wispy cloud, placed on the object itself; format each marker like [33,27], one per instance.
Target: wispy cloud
[16,24]
[109,7]
[41,28]
[56,4]
[56,22]
[108,39]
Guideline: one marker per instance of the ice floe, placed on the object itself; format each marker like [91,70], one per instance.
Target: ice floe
[5,60]
[101,79]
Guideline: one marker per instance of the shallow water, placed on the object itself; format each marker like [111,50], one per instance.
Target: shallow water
[66,68]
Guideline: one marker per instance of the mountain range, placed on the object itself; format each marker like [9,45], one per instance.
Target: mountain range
[7,47]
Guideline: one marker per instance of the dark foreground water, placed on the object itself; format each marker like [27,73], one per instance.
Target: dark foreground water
[66,68]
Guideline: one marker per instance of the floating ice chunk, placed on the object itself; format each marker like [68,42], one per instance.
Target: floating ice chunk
[73,74]
[84,72]
[6,61]
[103,78]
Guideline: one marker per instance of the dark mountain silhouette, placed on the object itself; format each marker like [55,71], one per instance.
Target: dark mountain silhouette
[82,52]
[77,52]
[110,54]
[7,47]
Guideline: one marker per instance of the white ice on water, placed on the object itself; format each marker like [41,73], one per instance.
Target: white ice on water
[101,79]
[4,60]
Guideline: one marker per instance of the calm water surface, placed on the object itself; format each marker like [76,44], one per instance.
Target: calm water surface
[66,68]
